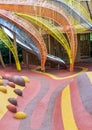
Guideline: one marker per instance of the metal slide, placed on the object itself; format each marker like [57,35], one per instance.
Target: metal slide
[20,35]
[75,13]
[27,43]
[21,43]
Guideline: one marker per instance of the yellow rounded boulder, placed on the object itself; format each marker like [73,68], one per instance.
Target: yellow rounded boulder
[3,89]
[20,115]
[26,79]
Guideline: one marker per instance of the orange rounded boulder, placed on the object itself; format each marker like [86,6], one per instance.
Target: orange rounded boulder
[12,108]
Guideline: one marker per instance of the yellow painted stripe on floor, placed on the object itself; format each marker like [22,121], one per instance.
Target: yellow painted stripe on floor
[66,108]
[62,78]
[89,74]
[4,99]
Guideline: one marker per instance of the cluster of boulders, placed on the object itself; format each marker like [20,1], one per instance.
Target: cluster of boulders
[12,81]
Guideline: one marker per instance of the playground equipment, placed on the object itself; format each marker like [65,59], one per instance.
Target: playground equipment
[11,46]
[25,38]
[40,13]
[30,30]
[23,44]
[42,10]
[76,11]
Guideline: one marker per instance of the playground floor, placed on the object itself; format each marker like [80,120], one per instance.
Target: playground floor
[48,99]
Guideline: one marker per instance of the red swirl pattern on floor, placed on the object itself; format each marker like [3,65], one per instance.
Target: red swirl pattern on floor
[42,101]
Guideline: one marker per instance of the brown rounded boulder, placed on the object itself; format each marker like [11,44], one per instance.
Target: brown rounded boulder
[17,80]
[13,101]
[18,92]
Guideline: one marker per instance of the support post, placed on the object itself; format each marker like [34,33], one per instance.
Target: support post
[15,44]
[49,43]
[27,60]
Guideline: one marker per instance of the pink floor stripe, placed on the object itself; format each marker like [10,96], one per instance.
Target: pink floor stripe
[40,110]
[57,122]
[82,117]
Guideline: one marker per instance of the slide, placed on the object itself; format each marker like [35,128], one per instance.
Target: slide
[76,14]
[30,49]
